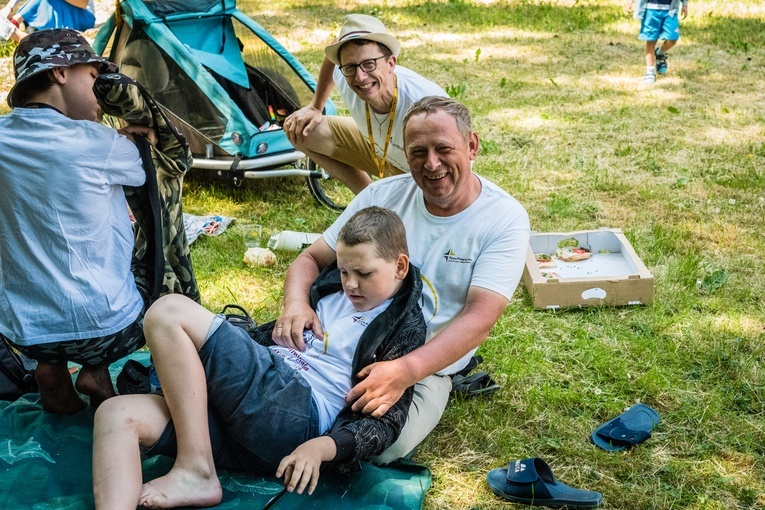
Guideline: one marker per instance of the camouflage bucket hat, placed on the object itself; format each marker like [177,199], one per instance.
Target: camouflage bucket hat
[47,49]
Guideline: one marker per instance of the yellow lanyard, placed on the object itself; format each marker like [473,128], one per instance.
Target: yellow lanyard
[380,162]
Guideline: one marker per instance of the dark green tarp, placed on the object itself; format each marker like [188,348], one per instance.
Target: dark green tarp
[45,462]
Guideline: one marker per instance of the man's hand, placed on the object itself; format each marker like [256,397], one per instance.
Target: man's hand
[289,327]
[301,467]
[684,11]
[300,124]
[383,384]
[135,129]
[628,6]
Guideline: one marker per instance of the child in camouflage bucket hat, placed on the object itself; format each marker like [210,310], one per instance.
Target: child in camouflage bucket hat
[49,49]
[67,292]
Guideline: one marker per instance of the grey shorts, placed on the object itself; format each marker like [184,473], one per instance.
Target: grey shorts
[259,408]
[93,352]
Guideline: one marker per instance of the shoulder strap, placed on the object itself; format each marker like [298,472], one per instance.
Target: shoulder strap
[11,366]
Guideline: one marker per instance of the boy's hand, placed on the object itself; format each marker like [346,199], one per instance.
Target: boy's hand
[135,129]
[684,11]
[384,383]
[628,6]
[301,467]
[289,327]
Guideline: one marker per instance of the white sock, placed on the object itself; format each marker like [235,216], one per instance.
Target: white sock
[650,69]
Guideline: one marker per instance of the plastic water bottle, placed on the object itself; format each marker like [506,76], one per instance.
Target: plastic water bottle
[288,240]
[6,29]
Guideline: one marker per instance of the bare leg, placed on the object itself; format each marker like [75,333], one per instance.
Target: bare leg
[57,393]
[650,53]
[122,425]
[96,383]
[667,45]
[176,328]
[319,146]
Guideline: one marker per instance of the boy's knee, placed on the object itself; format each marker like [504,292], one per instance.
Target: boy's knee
[166,311]
[111,413]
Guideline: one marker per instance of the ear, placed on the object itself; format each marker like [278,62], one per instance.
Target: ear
[392,62]
[402,266]
[59,74]
[473,145]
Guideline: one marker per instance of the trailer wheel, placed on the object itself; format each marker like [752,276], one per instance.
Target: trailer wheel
[327,190]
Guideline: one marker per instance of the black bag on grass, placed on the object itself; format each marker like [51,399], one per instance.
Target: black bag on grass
[15,379]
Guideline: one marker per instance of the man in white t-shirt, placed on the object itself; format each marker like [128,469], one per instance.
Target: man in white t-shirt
[361,62]
[469,238]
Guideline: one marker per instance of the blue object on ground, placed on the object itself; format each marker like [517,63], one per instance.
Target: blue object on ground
[631,428]
[531,482]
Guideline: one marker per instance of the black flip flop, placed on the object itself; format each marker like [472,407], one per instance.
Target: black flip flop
[479,383]
[531,482]
[630,428]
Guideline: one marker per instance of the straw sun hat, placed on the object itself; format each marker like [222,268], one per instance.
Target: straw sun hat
[361,26]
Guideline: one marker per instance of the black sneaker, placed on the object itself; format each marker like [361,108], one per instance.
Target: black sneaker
[661,62]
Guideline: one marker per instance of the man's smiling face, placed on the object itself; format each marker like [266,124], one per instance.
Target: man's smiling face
[439,158]
[375,87]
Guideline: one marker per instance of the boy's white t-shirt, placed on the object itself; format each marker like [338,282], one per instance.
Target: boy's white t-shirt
[327,364]
[411,88]
[482,246]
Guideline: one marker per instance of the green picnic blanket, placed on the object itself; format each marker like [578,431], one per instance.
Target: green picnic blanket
[45,462]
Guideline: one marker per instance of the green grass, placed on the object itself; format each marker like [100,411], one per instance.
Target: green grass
[566,129]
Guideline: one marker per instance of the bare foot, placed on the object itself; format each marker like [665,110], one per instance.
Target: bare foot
[57,393]
[181,487]
[96,383]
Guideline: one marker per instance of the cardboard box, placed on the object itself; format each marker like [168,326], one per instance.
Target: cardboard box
[613,276]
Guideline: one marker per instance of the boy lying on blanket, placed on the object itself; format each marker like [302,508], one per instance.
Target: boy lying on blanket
[230,402]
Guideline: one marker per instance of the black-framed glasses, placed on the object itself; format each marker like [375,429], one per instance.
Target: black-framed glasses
[367,66]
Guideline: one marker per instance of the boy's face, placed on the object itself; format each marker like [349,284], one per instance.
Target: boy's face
[77,92]
[367,279]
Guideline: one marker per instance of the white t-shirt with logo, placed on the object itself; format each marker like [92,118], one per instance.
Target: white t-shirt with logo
[326,364]
[411,88]
[482,246]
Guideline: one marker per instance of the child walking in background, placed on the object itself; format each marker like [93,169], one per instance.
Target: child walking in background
[660,20]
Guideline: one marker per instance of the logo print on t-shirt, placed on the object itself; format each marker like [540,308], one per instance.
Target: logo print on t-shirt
[309,338]
[450,256]
[359,319]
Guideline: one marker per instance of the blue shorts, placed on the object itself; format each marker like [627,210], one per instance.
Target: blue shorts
[259,408]
[43,14]
[659,24]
